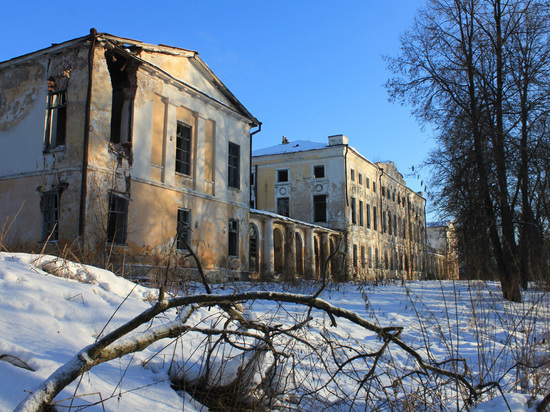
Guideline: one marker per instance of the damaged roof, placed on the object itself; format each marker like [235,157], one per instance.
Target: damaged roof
[129,46]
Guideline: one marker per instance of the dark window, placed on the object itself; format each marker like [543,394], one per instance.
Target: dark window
[233,238]
[374,187]
[233,166]
[184,228]
[361,220]
[50,215]
[374,218]
[283,206]
[352,175]
[353,211]
[320,208]
[121,117]
[183,149]
[367,183]
[282,175]
[363,259]
[253,248]
[123,73]
[389,224]
[355,263]
[117,220]
[360,179]
[318,171]
[57,119]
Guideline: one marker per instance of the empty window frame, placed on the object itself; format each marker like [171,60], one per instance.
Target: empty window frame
[56,122]
[233,238]
[183,148]
[374,218]
[318,171]
[320,208]
[283,206]
[353,211]
[282,175]
[355,263]
[360,179]
[363,257]
[367,183]
[183,229]
[50,215]
[234,166]
[117,219]
[361,214]
[352,172]
[123,73]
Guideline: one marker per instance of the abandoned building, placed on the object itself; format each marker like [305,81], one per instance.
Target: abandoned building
[442,262]
[109,145]
[381,220]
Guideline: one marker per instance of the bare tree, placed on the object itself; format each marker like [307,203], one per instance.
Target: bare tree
[476,69]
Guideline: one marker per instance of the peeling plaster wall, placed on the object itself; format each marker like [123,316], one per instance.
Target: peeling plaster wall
[143,171]
[26,168]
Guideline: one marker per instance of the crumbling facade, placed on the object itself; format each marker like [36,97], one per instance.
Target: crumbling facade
[332,185]
[442,262]
[124,150]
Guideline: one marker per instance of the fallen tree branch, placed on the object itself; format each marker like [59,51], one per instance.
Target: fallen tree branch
[109,347]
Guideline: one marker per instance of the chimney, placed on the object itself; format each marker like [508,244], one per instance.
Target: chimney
[337,139]
[285,140]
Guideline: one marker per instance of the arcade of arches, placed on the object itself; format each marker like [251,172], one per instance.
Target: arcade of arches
[290,248]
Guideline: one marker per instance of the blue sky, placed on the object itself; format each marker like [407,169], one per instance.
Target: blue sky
[306,69]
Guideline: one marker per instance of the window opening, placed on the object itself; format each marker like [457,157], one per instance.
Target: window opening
[233,238]
[183,149]
[282,175]
[56,123]
[183,229]
[117,220]
[320,208]
[50,215]
[123,72]
[283,206]
[319,171]
[233,166]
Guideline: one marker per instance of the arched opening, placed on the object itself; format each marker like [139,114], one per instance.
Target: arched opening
[299,255]
[332,265]
[253,249]
[317,252]
[278,250]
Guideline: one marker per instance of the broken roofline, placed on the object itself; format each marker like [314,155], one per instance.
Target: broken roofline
[120,42]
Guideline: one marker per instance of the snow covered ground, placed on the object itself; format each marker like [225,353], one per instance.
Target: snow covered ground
[48,315]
